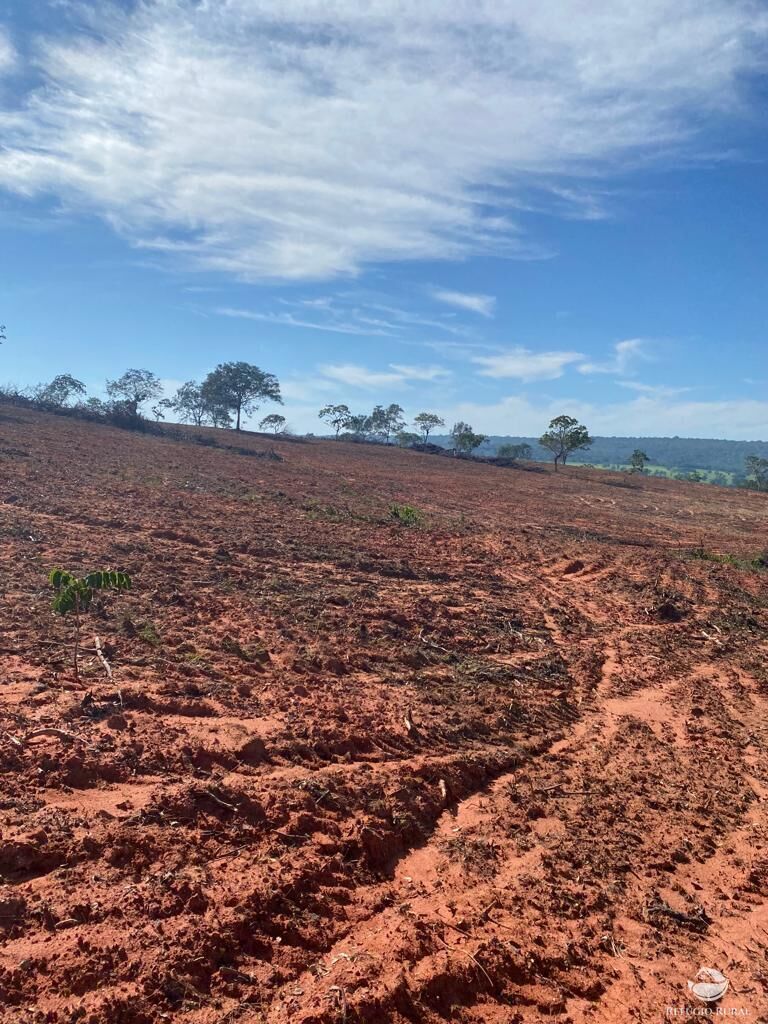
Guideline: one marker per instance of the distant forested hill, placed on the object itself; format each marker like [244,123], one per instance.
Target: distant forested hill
[675,453]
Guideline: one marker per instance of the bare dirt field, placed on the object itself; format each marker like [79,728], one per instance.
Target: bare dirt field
[506,765]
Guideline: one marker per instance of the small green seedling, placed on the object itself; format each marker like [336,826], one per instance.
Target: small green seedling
[405,515]
[74,594]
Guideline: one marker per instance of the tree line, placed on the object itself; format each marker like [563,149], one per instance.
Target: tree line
[227,394]
[387,422]
[564,435]
[236,389]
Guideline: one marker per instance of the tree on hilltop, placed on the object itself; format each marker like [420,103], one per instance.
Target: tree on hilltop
[564,436]
[465,440]
[426,422]
[134,388]
[274,422]
[60,390]
[189,404]
[386,421]
[240,388]
[337,416]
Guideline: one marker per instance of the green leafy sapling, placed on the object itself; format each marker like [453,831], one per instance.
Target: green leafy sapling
[74,594]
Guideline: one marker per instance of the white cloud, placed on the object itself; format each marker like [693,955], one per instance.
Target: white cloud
[739,419]
[8,57]
[304,139]
[645,416]
[289,320]
[482,304]
[305,389]
[624,353]
[655,390]
[397,374]
[523,364]
[345,314]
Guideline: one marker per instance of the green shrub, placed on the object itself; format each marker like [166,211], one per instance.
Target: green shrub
[405,515]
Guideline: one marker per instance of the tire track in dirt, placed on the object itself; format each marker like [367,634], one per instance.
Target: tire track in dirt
[249,831]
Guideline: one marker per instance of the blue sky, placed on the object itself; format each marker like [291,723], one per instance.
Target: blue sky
[499,211]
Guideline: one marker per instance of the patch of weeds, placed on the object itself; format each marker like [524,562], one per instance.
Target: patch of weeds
[316,510]
[405,515]
[758,563]
[194,657]
[149,634]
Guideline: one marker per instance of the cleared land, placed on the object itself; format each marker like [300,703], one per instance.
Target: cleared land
[505,766]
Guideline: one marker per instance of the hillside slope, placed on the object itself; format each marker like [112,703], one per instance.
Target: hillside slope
[508,765]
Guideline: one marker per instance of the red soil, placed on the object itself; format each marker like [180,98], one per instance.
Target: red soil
[505,766]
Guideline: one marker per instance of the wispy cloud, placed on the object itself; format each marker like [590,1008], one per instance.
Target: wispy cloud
[7,53]
[302,140]
[624,354]
[345,314]
[289,320]
[653,390]
[482,304]
[396,374]
[523,364]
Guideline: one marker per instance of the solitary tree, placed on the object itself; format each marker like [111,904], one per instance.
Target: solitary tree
[336,416]
[564,436]
[60,390]
[514,451]
[387,420]
[637,461]
[274,422]
[757,472]
[425,422]
[241,388]
[464,438]
[134,388]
